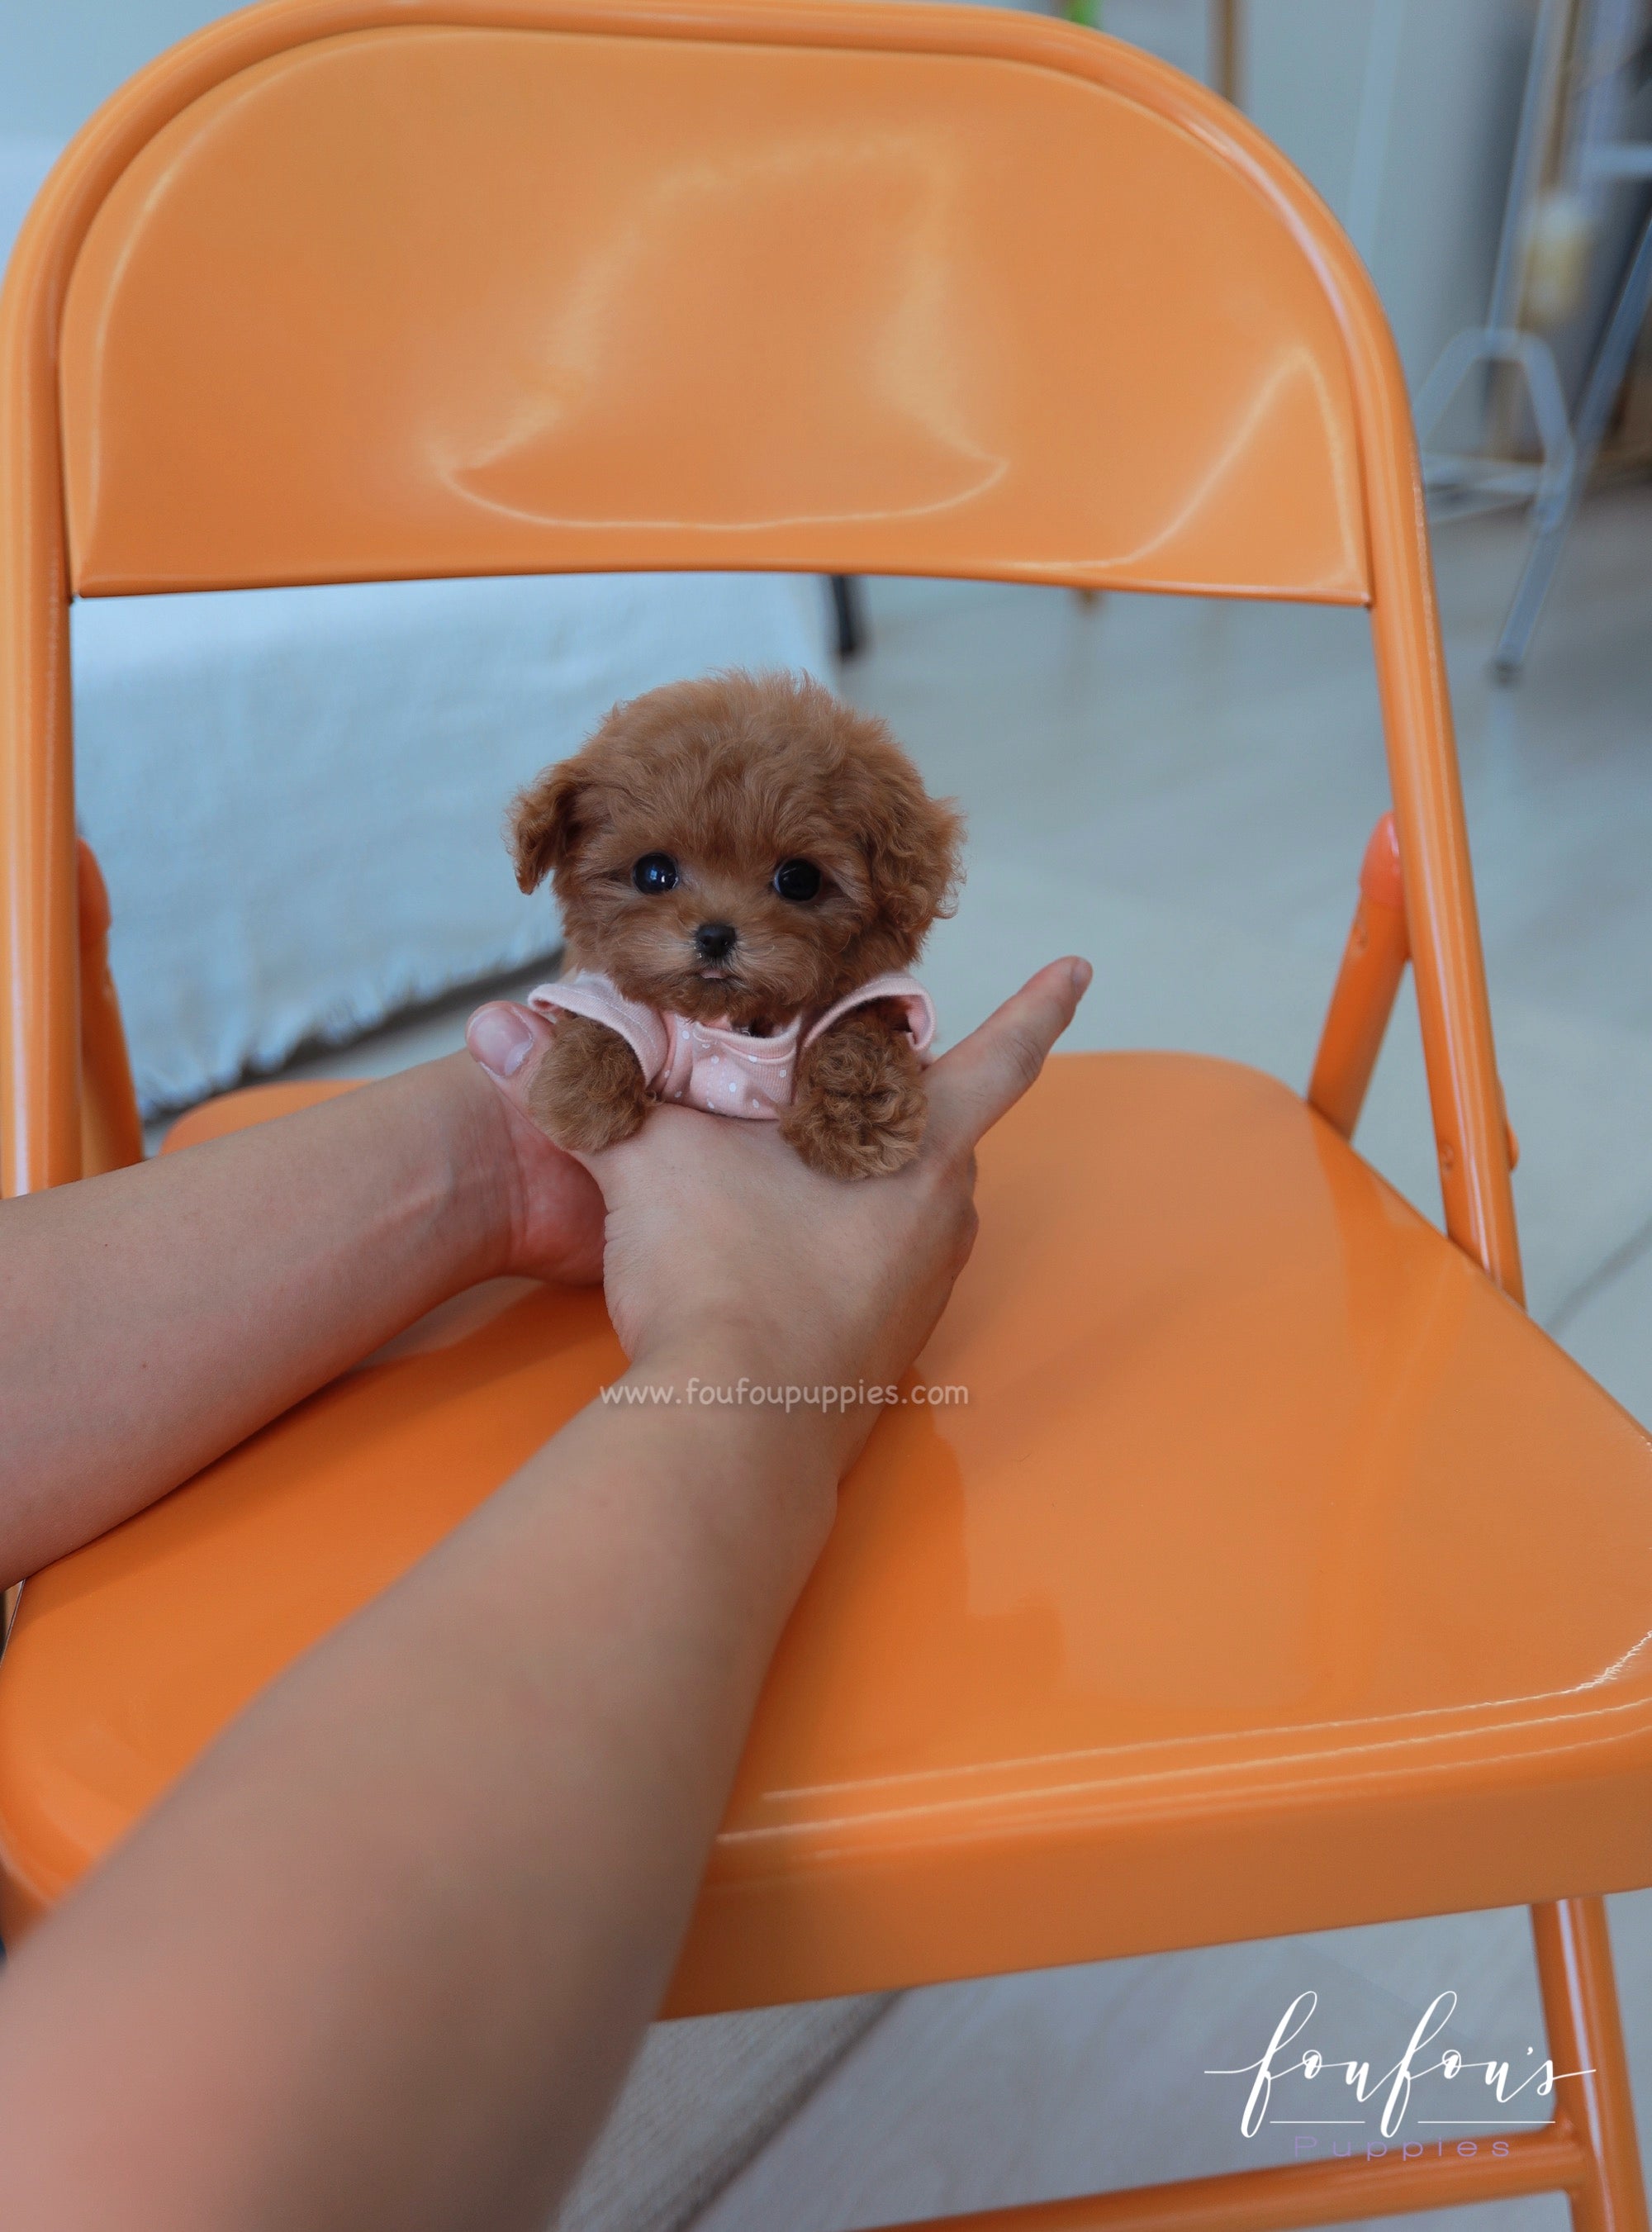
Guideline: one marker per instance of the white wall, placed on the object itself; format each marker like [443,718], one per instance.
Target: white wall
[1401,112]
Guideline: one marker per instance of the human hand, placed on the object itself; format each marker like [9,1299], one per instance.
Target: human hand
[724,1252]
[549,1207]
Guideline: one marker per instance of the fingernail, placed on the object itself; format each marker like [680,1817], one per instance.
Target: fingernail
[500,1039]
[1082,973]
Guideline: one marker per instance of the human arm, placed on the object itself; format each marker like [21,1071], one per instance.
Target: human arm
[152,1318]
[382,1958]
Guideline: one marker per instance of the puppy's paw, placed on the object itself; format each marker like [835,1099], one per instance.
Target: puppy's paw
[849,1147]
[587,1092]
[860,1108]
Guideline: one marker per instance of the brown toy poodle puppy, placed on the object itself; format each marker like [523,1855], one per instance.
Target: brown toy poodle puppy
[744,864]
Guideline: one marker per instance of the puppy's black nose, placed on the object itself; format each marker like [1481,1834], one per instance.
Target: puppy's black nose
[715,941]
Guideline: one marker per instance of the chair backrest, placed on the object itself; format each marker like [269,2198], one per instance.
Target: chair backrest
[360,289]
[437,300]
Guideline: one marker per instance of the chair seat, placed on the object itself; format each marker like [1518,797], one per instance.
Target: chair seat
[1271,1571]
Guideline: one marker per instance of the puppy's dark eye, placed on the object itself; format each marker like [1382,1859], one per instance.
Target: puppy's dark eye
[655,872]
[798,879]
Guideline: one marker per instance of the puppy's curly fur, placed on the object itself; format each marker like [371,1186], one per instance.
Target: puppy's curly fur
[728,777]
[858,1110]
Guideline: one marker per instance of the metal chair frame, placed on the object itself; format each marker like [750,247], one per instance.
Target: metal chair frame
[64,1095]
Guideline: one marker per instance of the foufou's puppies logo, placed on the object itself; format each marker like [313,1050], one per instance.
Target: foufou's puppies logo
[1496,2095]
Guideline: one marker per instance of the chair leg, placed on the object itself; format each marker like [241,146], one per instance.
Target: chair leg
[111,1132]
[849,613]
[1373,962]
[1580,2011]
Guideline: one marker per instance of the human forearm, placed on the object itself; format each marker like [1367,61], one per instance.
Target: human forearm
[419,1905]
[380,1958]
[151,1318]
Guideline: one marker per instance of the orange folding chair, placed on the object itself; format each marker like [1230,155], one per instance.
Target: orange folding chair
[1278,1573]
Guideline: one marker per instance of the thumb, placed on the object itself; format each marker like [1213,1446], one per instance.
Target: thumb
[509,1042]
[984,1075]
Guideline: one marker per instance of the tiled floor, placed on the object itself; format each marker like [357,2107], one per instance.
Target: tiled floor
[1183,791]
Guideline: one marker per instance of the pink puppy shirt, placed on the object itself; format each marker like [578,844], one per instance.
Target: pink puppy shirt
[712,1066]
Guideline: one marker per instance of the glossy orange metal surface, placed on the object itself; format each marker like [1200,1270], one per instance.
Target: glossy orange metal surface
[1373,962]
[1302,2194]
[111,1132]
[254,1104]
[1231,1602]
[541,352]
[861,352]
[1584,2034]
[1361,1001]
[1276,1572]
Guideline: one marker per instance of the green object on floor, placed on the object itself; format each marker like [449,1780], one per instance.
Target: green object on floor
[1087,12]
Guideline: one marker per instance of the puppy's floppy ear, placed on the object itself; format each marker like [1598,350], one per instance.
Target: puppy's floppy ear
[544,826]
[912,846]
